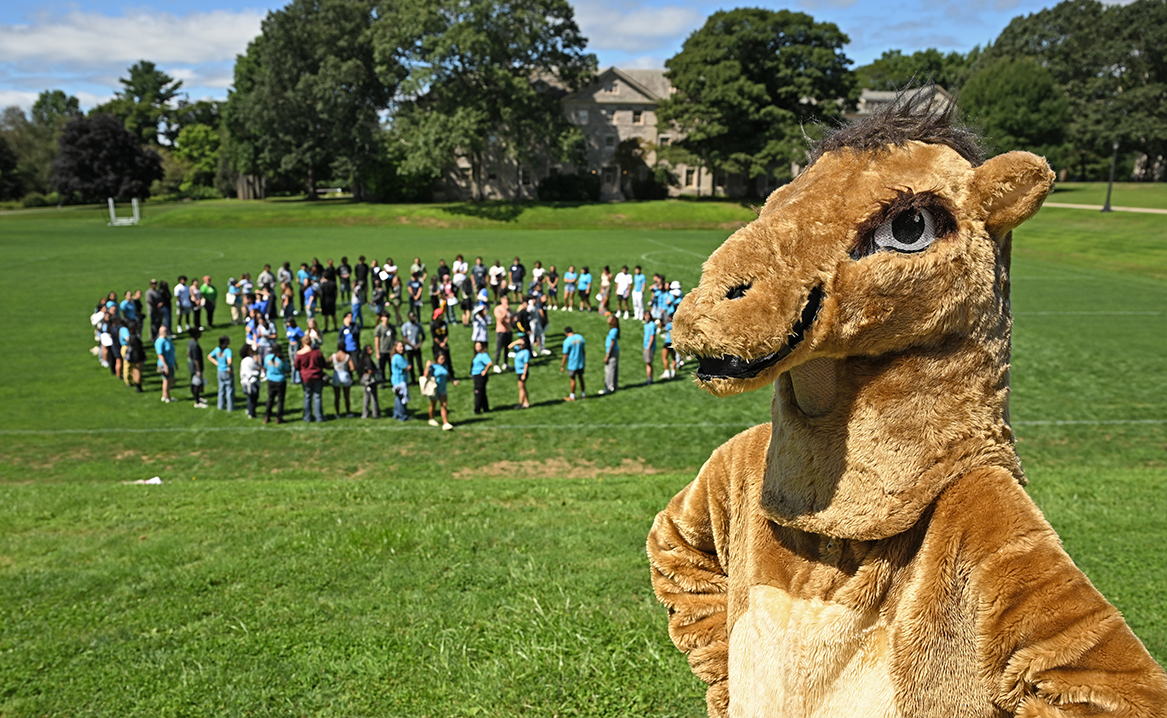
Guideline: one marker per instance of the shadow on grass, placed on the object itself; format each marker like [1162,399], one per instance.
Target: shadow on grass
[493,211]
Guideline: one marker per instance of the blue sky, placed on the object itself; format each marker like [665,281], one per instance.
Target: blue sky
[84,48]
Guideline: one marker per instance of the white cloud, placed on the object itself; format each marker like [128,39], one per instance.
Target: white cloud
[18,98]
[636,30]
[643,63]
[93,38]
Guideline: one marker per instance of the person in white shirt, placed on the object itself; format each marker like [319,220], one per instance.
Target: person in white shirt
[182,298]
[623,282]
[460,269]
[537,276]
[249,379]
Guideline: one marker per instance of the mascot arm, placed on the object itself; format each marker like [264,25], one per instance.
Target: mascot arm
[1056,646]
[687,550]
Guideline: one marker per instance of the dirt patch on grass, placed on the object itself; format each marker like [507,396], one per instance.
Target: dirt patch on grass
[557,468]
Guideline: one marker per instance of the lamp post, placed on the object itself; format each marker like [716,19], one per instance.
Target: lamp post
[1110,187]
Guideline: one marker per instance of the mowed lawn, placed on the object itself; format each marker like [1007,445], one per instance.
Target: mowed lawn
[370,568]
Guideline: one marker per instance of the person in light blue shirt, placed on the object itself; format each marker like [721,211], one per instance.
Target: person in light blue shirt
[650,332]
[569,281]
[611,355]
[399,378]
[167,361]
[480,370]
[638,282]
[225,370]
[585,290]
[522,369]
[276,369]
[128,309]
[440,373]
[573,361]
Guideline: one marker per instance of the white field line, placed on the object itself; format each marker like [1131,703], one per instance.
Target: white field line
[1098,208]
[385,425]
[1090,314]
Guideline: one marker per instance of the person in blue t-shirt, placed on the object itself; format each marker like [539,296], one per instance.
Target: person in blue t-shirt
[440,373]
[522,369]
[480,370]
[638,282]
[573,361]
[293,334]
[399,378]
[350,335]
[310,301]
[221,356]
[650,332]
[167,361]
[611,355]
[585,290]
[128,308]
[276,369]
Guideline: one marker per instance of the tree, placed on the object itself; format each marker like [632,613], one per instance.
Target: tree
[307,94]
[34,139]
[482,69]
[186,113]
[144,101]
[895,70]
[748,81]
[1018,106]
[11,183]
[100,158]
[53,108]
[198,144]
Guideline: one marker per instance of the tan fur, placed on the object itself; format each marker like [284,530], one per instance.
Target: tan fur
[871,552]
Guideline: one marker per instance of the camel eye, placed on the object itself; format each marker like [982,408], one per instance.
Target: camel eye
[909,231]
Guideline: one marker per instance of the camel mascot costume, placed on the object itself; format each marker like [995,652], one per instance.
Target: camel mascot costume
[871,551]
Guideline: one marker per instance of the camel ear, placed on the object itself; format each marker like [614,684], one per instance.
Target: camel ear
[1011,188]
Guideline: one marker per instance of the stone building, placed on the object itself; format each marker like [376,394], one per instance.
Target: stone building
[617,105]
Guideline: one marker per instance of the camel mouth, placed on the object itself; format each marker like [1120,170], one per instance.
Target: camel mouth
[734,367]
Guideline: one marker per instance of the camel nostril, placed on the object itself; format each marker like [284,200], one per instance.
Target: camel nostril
[737,292]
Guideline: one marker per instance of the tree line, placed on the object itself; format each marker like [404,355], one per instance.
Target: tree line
[381,97]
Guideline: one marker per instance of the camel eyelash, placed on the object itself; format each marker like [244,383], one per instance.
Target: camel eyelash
[905,200]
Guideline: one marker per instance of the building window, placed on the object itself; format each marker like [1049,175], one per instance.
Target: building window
[492,139]
[609,141]
[664,140]
[525,176]
[465,172]
[610,88]
[637,117]
[689,176]
[583,117]
[719,179]
[493,176]
[609,175]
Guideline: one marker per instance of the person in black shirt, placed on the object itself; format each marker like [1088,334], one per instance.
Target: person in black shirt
[440,333]
[194,362]
[328,300]
[443,271]
[518,274]
[361,275]
[330,271]
[344,274]
[135,356]
[152,303]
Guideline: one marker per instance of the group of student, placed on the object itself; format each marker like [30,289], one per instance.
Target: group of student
[393,359]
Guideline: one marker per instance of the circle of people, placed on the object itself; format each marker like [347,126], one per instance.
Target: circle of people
[460,294]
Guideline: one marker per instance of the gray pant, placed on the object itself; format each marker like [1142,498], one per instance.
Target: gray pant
[371,399]
[611,369]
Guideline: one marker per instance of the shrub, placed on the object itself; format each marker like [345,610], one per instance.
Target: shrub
[570,188]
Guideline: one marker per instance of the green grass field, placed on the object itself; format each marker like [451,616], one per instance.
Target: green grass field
[371,568]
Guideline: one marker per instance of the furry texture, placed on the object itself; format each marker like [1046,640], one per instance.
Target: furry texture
[871,552]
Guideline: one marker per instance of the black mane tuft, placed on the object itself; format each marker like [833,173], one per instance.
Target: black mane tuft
[911,116]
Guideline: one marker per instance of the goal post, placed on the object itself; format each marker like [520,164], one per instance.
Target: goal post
[115,221]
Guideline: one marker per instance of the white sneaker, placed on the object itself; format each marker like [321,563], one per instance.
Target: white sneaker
[433,422]
[546,352]
[510,355]
[447,427]
[504,367]
[497,369]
